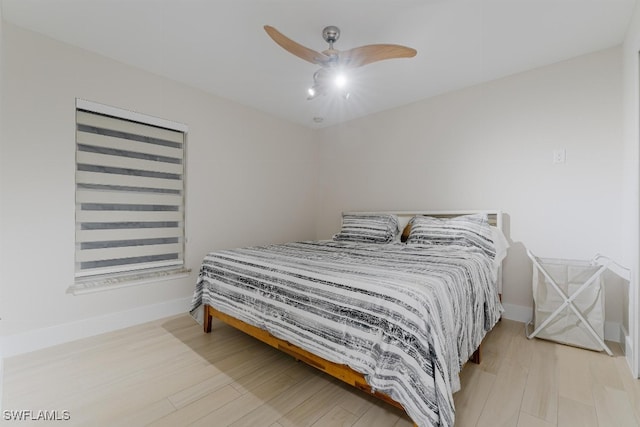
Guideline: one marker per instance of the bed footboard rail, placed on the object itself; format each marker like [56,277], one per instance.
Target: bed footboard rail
[342,372]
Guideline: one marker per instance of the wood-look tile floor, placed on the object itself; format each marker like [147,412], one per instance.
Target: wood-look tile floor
[169,373]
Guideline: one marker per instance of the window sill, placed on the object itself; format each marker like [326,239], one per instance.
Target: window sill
[109,282]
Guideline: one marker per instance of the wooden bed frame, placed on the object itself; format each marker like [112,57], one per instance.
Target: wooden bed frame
[342,372]
[339,371]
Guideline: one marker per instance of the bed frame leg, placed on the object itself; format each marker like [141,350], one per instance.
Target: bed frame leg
[475,357]
[208,318]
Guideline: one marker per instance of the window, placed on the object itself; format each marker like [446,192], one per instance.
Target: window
[129,197]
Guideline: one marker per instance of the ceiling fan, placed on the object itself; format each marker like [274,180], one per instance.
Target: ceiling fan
[333,62]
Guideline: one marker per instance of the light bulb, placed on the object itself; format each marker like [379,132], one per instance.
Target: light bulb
[340,81]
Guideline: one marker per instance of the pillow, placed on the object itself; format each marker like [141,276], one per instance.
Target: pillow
[368,228]
[501,244]
[467,230]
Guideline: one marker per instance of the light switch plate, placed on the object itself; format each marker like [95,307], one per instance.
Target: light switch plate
[559,156]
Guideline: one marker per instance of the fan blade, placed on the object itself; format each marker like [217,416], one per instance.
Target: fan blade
[296,48]
[363,55]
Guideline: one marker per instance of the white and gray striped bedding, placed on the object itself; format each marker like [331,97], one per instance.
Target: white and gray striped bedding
[406,316]
[466,230]
[368,228]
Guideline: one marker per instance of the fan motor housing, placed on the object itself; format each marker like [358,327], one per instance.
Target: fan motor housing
[331,34]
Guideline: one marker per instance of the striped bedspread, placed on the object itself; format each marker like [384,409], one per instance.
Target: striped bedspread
[406,316]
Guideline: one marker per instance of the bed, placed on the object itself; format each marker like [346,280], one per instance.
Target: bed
[394,304]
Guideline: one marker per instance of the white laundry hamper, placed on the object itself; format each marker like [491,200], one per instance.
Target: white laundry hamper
[569,301]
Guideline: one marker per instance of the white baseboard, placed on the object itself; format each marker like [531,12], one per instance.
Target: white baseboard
[519,313]
[628,349]
[613,331]
[628,354]
[13,345]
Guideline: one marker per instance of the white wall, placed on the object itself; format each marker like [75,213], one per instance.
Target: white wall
[632,177]
[490,147]
[238,162]
[1,219]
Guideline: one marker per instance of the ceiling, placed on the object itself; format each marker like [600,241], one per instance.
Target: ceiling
[220,46]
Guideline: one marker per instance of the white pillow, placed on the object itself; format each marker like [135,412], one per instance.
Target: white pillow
[465,230]
[368,228]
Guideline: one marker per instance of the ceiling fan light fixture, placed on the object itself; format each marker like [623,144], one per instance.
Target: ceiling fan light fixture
[329,82]
[340,80]
[313,92]
[332,59]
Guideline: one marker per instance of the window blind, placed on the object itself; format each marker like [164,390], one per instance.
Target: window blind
[129,195]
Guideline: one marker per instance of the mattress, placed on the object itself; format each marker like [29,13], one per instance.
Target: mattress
[405,316]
